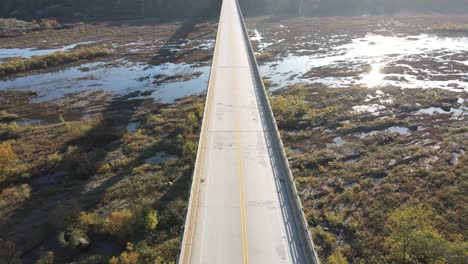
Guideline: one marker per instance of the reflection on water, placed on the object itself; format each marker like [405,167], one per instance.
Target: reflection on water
[437,110]
[398,129]
[29,52]
[133,127]
[120,80]
[422,61]
[159,158]
[394,129]
[374,77]
[262,45]
[339,141]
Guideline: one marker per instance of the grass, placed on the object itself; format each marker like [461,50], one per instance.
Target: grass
[451,27]
[264,56]
[18,65]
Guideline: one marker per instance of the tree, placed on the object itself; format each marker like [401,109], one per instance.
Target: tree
[413,238]
[336,258]
[127,257]
[120,224]
[7,155]
[191,122]
[151,220]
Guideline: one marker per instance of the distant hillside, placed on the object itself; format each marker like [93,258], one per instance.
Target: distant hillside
[170,9]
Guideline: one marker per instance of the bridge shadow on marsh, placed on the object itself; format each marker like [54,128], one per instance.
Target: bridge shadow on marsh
[34,226]
[182,36]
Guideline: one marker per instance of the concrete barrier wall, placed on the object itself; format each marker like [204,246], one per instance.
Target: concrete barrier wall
[278,153]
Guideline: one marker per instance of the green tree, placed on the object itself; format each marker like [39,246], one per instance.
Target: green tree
[191,122]
[336,258]
[412,237]
[151,220]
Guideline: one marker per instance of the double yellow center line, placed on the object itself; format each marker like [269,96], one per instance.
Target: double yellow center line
[245,254]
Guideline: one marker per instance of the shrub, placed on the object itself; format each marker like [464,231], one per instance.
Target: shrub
[263,56]
[191,122]
[49,23]
[120,224]
[88,218]
[17,65]
[451,27]
[7,155]
[5,116]
[336,258]
[48,258]
[127,257]
[10,130]
[9,253]
[151,220]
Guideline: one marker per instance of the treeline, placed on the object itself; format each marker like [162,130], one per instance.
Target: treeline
[107,9]
[169,9]
[351,7]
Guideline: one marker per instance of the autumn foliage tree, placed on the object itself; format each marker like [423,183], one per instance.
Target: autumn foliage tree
[120,224]
[7,155]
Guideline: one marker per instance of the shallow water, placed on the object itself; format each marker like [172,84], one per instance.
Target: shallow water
[262,44]
[29,122]
[438,110]
[394,129]
[339,141]
[119,80]
[29,52]
[159,158]
[398,129]
[133,127]
[377,60]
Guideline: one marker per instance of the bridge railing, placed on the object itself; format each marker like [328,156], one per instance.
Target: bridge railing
[277,146]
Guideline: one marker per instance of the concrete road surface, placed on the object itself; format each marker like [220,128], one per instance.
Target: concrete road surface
[239,213]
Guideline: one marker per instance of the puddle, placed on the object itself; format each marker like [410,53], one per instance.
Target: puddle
[339,141]
[398,129]
[262,45]
[377,60]
[394,129]
[372,108]
[351,161]
[455,156]
[133,127]
[29,52]
[437,110]
[159,158]
[120,80]
[367,134]
[29,122]
[296,151]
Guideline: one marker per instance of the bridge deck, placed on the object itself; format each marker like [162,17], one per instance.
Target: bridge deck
[239,212]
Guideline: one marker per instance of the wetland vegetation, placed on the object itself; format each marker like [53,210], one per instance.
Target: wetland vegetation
[362,172]
[99,125]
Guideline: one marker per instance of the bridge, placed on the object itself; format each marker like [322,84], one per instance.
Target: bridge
[243,205]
